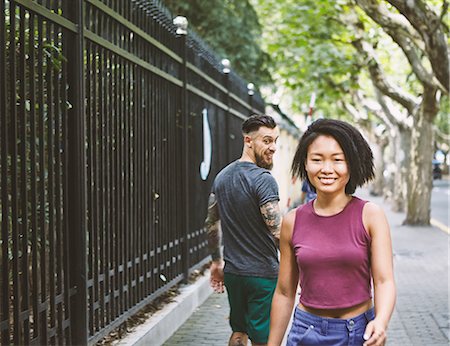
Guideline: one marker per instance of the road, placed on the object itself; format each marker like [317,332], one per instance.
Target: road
[440,202]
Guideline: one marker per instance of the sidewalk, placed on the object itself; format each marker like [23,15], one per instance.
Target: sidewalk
[421,316]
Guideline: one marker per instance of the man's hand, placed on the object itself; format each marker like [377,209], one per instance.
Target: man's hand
[216,279]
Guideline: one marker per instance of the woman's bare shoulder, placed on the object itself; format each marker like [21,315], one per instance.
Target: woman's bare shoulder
[289,218]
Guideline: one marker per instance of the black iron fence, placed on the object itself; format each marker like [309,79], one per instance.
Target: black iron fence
[112,128]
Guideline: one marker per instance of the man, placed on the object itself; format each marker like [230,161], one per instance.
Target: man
[308,192]
[244,205]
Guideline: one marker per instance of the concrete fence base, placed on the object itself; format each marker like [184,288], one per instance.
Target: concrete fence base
[165,322]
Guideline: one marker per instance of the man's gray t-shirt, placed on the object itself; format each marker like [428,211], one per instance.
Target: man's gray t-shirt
[249,248]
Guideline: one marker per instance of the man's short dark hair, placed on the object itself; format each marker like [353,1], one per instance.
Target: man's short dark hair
[357,152]
[256,121]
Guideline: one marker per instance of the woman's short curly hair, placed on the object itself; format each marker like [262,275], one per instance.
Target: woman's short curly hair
[357,152]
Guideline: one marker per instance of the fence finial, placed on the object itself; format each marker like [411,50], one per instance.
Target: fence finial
[251,88]
[226,66]
[182,24]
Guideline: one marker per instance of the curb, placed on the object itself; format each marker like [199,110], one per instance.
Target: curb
[164,323]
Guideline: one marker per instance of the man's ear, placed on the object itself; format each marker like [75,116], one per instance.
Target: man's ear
[248,141]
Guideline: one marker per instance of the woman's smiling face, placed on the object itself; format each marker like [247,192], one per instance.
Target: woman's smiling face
[326,165]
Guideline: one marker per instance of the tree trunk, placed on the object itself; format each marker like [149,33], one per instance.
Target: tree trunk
[376,188]
[398,159]
[420,173]
[389,172]
[402,161]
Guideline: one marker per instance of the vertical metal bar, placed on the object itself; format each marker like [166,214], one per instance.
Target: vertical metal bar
[128,229]
[141,79]
[112,191]
[94,211]
[51,185]
[227,118]
[132,156]
[77,177]
[148,92]
[133,183]
[103,202]
[42,185]
[139,146]
[129,167]
[124,163]
[186,161]
[14,191]
[109,236]
[90,128]
[109,186]
[162,220]
[160,236]
[23,175]
[128,162]
[153,169]
[250,100]
[122,187]
[181,208]
[33,172]
[58,101]
[166,200]
[4,153]
[115,181]
[90,116]
[65,195]
[146,229]
[138,163]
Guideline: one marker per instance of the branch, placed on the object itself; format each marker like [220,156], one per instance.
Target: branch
[443,14]
[380,81]
[443,136]
[393,114]
[378,108]
[397,29]
[429,25]
[357,114]
[388,20]
[428,80]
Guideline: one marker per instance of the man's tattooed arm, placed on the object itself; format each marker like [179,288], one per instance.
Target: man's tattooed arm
[212,225]
[272,217]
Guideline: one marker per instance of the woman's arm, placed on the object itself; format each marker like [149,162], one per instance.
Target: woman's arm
[382,271]
[284,296]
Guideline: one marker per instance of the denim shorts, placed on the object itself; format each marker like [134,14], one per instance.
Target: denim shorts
[310,329]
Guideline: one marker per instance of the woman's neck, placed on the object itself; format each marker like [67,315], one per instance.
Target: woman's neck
[326,204]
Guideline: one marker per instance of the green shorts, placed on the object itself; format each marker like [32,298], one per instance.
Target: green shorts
[250,300]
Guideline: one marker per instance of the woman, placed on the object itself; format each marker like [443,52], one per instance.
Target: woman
[336,247]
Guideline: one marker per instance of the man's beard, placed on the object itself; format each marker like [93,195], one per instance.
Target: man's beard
[261,163]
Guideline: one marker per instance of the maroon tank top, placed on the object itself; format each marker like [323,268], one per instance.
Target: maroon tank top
[333,257]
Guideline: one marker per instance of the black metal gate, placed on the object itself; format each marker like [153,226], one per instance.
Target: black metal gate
[103,113]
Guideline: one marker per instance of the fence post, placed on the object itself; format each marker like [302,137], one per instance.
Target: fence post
[181,23]
[77,178]
[251,92]
[226,71]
